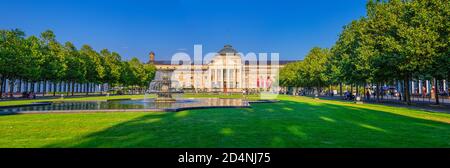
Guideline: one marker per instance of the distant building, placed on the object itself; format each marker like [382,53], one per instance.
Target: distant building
[228,71]
[152,58]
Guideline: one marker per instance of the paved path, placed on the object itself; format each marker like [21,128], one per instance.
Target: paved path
[420,105]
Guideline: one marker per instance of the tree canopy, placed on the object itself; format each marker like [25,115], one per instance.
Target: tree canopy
[36,59]
[397,40]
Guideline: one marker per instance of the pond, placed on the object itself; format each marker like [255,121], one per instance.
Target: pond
[125,106]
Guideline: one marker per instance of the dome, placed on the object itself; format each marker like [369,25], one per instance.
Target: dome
[227,49]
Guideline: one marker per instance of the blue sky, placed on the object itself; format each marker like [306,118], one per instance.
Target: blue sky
[136,27]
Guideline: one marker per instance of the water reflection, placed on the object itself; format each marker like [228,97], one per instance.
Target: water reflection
[126,104]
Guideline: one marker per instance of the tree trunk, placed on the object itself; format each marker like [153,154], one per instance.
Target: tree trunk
[4,86]
[436,93]
[357,90]
[340,89]
[330,91]
[25,87]
[32,87]
[45,88]
[72,87]
[87,89]
[405,99]
[60,87]
[399,84]
[38,87]
[378,92]
[67,84]
[318,92]
[406,90]
[351,89]
[364,91]
[76,87]
[20,86]
[1,86]
[11,88]
[54,88]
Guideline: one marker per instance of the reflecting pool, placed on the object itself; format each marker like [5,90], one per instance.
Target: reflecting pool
[126,105]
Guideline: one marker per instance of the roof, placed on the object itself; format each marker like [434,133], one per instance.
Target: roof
[228,49]
[281,62]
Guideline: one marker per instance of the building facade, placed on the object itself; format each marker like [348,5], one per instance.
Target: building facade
[226,71]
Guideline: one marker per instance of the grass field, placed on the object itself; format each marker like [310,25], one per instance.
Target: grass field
[293,122]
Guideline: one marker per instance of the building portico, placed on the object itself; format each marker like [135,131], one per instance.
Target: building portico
[227,71]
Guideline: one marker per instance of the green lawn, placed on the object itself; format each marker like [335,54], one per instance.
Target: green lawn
[293,122]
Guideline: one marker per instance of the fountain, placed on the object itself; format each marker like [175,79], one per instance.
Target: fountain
[163,88]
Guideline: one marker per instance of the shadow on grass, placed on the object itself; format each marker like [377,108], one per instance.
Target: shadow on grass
[283,124]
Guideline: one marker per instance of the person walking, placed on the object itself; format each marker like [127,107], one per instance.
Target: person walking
[424,91]
[368,94]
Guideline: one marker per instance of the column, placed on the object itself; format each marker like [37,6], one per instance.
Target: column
[228,78]
[210,78]
[238,78]
[205,79]
[215,78]
[222,80]
[420,86]
[7,88]
[444,85]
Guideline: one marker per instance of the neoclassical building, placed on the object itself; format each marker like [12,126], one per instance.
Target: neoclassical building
[226,71]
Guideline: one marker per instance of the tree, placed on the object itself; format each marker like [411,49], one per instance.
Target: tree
[434,16]
[149,74]
[404,33]
[33,61]
[44,59]
[316,70]
[52,62]
[311,72]
[138,71]
[76,71]
[288,75]
[113,68]
[94,68]
[12,55]
[127,77]
[2,59]
[355,57]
